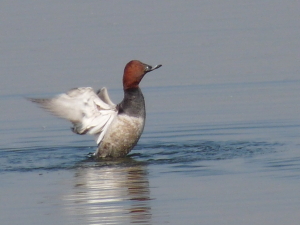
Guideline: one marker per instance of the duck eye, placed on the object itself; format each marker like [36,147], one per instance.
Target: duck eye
[148,68]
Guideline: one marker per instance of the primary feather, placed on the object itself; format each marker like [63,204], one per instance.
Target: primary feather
[89,112]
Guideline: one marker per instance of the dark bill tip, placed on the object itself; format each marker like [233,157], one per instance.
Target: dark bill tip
[150,68]
[156,67]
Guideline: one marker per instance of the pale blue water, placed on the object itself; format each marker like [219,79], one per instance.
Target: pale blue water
[221,142]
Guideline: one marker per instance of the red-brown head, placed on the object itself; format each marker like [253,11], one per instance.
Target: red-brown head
[134,72]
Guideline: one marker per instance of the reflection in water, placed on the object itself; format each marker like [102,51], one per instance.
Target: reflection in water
[111,194]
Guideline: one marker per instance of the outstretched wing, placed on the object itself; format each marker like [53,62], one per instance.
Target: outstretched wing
[83,107]
[103,95]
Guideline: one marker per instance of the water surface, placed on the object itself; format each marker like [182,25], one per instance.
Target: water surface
[221,142]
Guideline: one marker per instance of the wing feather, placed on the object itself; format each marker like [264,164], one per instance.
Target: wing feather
[84,108]
[103,95]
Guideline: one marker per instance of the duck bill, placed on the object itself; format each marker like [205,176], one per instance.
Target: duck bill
[155,67]
[150,68]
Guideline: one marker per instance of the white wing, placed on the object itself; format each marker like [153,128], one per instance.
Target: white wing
[103,95]
[83,107]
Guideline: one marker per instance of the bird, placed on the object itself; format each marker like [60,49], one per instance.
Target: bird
[116,127]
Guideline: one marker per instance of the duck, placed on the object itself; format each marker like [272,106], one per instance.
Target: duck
[116,128]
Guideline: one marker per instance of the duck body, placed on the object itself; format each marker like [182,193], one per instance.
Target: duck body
[116,128]
[127,127]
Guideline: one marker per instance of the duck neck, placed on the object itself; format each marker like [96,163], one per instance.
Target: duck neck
[133,103]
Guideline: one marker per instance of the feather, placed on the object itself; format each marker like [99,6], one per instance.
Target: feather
[88,112]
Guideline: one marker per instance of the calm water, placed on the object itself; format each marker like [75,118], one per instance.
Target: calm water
[221,142]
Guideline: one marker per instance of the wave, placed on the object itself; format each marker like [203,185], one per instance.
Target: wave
[71,157]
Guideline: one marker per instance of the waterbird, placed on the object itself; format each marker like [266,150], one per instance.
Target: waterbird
[116,128]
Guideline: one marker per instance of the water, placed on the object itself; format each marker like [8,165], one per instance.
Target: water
[221,142]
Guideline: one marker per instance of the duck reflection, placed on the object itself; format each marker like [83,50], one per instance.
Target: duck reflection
[115,192]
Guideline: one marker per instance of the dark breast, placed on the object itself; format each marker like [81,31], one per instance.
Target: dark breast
[133,103]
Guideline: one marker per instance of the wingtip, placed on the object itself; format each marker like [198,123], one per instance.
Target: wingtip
[34,100]
[37,100]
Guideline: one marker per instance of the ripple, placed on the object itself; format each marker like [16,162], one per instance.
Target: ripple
[199,151]
[181,153]
[39,158]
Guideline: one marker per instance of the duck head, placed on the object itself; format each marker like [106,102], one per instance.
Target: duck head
[134,72]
